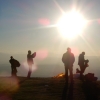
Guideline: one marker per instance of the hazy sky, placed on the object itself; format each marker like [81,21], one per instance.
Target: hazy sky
[25,24]
[28,24]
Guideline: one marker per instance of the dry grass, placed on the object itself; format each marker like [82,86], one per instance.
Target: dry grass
[45,89]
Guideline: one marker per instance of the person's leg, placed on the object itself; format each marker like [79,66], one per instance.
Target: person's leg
[71,73]
[66,73]
[81,72]
[30,71]
[14,71]
[11,71]
[84,69]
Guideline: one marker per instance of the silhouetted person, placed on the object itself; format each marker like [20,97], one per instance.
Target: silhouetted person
[30,62]
[13,66]
[68,59]
[81,63]
[85,65]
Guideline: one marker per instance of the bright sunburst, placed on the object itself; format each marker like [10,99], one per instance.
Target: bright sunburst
[71,24]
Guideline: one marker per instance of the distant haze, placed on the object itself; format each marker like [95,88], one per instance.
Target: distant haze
[47,67]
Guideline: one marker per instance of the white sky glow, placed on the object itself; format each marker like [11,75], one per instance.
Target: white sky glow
[71,24]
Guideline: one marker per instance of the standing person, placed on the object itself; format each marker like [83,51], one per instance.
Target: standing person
[13,63]
[68,59]
[30,62]
[81,62]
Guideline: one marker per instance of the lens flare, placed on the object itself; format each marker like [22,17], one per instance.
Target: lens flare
[75,51]
[10,84]
[44,21]
[41,54]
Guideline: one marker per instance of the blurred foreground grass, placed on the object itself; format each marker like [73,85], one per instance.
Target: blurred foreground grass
[41,89]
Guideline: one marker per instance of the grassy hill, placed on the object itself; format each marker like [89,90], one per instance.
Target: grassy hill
[47,89]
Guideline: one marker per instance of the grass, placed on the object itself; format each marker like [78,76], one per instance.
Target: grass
[46,89]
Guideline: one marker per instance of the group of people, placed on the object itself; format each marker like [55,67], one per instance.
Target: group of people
[68,59]
[14,64]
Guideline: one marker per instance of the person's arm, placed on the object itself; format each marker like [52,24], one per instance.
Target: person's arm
[63,58]
[9,61]
[73,60]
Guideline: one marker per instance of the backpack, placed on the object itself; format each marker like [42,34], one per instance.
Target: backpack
[17,64]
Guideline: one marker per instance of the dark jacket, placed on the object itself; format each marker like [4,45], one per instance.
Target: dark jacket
[68,58]
[12,62]
[81,60]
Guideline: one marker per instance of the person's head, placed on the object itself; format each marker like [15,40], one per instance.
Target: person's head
[11,57]
[29,51]
[83,53]
[68,49]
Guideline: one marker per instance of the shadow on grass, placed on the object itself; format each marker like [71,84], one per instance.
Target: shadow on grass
[90,90]
[22,81]
[66,90]
[70,93]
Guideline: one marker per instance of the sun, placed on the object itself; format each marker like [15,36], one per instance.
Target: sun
[71,24]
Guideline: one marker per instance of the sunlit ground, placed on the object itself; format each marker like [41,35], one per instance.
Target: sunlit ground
[71,24]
